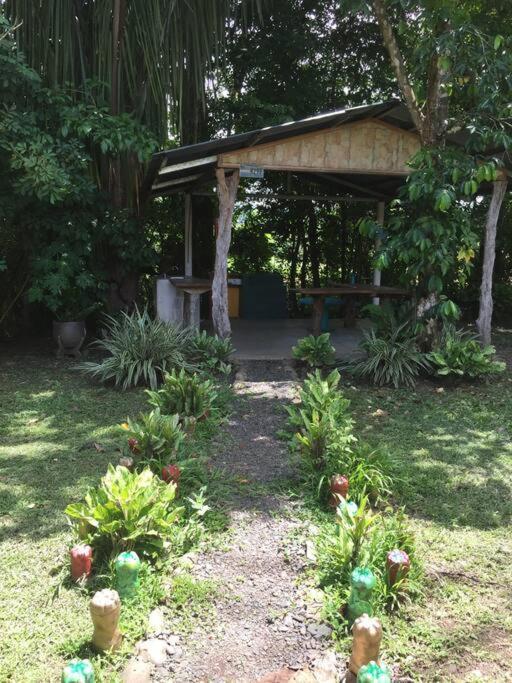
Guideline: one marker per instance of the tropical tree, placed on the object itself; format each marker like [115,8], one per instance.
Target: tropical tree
[452,66]
[137,60]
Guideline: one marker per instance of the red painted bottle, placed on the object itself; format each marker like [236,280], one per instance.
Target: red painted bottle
[338,486]
[171,473]
[81,561]
[397,565]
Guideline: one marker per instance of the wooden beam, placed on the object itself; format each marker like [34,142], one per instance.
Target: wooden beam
[187,164]
[226,192]
[353,186]
[298,197]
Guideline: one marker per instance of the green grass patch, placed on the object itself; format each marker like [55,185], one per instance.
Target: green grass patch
[58,433]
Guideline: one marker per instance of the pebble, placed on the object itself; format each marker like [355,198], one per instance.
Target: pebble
[152,650]
[137,671]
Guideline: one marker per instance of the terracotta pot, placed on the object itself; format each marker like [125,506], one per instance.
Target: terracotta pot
[69,337]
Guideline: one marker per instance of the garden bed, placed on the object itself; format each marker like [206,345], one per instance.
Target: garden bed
[453,453]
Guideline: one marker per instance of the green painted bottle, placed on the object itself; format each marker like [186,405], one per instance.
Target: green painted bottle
[78,671]
[373,673]
[127,566]
[362,583]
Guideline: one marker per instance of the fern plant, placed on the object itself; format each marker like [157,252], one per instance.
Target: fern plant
[139,350]
[188,395]
[317,352]
[393,359]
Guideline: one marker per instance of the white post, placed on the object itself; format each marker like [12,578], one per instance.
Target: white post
[376,273]
[188,235]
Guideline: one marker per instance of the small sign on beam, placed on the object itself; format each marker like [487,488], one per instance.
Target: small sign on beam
[251,171]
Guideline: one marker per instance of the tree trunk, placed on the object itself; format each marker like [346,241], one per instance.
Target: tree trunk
[397,62]
[484,321]
[226,188]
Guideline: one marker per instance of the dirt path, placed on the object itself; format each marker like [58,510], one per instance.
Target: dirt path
[264,621]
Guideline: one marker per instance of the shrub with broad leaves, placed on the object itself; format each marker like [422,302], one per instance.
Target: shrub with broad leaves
[459,354]
[188,395]
[127,511]
[317,352]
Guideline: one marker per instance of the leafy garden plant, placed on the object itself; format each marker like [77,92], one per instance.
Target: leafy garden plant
[188,395]
[155,437]
[323,426]
[209,352]
[459,354]
[317,352]
[140,350]
[127,511]
[393,359]
[364,537]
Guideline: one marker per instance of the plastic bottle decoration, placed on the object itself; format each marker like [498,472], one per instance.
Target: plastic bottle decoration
[373,673]
[81,561]
[78,671]
[127,566]
[349,505]
[338,487]
[127,462]
[171,473]
[133,445]
[362,583]
[105,607]
[397,565]
[367,636]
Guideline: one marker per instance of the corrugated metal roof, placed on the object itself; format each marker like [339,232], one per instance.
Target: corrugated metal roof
[176,171]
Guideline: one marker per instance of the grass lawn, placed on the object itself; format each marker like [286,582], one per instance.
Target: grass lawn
[453,450]
[454,455]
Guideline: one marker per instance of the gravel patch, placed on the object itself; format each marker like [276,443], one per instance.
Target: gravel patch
[266,619]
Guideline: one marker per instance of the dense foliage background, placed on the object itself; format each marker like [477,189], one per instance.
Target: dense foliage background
[76,131]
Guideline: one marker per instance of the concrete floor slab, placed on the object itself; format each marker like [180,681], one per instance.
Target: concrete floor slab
[273,339]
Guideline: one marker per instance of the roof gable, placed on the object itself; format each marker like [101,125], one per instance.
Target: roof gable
[368,146]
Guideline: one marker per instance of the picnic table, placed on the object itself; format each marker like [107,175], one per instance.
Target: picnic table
[319,295]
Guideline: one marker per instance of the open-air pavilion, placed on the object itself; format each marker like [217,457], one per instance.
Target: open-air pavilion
[354,155]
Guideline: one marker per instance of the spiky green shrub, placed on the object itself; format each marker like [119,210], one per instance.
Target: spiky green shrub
[322,425]
[459,354]
[155,437]
[186,394]
[364,538]
[369,471]
[127,511]
[317,352]
[139,350]
[394,359]
[209,352]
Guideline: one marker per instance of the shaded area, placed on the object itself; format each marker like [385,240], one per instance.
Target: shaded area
[453,449]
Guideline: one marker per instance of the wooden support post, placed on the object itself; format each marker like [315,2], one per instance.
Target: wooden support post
[226,190]
[188,235]
[499,188]
[376,273]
